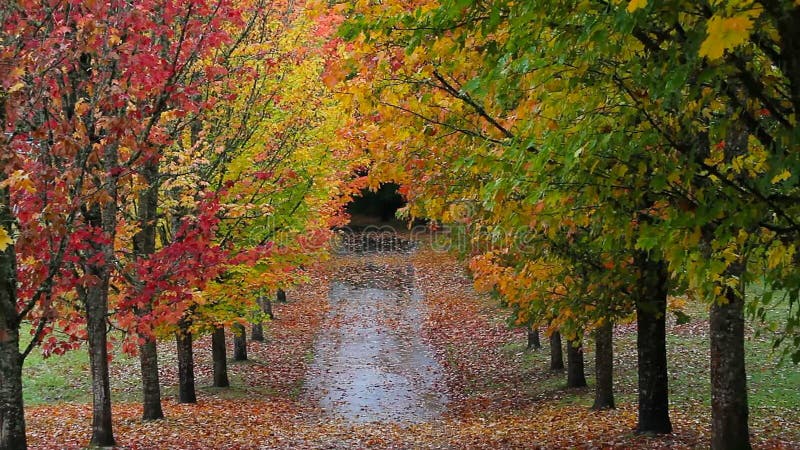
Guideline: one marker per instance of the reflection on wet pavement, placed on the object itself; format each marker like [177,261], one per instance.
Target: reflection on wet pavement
[372,364]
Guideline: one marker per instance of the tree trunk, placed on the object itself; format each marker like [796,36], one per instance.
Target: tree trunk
[96,301]
[267,306]
[95,297]
[533,339]
[729,409]
[151,387]
[604,367]
[186,392]
[281,297]
[239,342]
[144,246]
[651,344]
[575,373]
[12,414]
[556,354]
[220,358]
[257,331]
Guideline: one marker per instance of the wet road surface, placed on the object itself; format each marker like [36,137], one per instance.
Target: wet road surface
[371,364]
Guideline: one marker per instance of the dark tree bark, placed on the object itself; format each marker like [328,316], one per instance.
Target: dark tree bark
[729,409]
[239,342]
[257,331]
[186,391]
[604,367]
[267,307]
[651,344]
[95,299]
[575,369]
[556,354]
[144,245]
[220,358]
[533,339]
[151,387]
[12,414]
[96,303]
[281,297]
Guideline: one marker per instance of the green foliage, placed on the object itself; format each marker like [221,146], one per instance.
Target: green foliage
[596,130]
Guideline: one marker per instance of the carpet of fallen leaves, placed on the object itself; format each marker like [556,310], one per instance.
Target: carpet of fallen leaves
[497,401]
[504,403]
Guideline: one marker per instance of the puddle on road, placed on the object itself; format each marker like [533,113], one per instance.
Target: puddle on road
[371,364]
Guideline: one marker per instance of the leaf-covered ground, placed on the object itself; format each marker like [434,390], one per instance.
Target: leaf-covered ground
[500,396]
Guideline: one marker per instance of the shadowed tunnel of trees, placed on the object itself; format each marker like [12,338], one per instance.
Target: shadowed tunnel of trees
[372,207]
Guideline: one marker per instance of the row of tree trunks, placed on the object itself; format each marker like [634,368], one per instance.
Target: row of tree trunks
[604,365]
[219,350]
[729,382]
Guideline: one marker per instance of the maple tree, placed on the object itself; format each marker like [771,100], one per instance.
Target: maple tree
[116,111]
[46,174]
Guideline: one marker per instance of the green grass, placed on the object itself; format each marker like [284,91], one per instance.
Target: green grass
[773,386]
[63,378]
[771,383]
[67,377]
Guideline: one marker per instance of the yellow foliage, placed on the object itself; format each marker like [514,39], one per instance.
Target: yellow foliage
[726,33]
[779,254]
[5,239]
[676,303]
[636,5]
[19,180]
[781,177]
[16,87]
